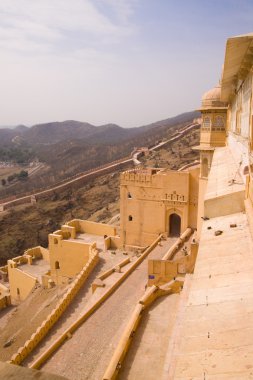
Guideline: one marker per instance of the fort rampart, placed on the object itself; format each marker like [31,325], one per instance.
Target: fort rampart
[85,177]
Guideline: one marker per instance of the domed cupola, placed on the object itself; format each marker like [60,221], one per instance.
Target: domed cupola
[214,118]
[213,127]
[212,99]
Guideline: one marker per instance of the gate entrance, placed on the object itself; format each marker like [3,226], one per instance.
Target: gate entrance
[174,225]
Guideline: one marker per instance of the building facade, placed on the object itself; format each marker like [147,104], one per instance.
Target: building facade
[237,91]
[217,326]
[157,201]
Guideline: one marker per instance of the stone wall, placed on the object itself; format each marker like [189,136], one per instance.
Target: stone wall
[56,313]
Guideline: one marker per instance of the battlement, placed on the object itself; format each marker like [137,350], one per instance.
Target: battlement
[139,175]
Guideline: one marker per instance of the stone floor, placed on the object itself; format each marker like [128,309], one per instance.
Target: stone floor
[146,356]
[14,372]
[216,335]
[86,355]
[37,269]
[90,238]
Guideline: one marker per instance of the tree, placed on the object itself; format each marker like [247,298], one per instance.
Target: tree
[23,175]
[10,178]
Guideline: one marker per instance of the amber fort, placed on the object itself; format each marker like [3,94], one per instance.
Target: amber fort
[169,292]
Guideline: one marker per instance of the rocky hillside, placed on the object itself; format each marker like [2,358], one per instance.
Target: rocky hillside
[27,226]
[72,147]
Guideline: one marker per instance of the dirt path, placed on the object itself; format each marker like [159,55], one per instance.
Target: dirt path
[87,353]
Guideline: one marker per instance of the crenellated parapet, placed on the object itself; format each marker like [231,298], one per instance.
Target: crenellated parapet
[152,199]
[138,175]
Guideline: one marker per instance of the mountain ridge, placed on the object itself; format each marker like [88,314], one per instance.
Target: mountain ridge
[54,132]
[71,147]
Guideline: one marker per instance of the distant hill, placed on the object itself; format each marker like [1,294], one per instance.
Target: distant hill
[182,118]
[6,135]
[21,128]
[51,133]
[71,147]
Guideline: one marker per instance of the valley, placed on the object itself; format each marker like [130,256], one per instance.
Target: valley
[68,148]
[29,225]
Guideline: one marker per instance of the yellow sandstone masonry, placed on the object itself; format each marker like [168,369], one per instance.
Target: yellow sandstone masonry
[56,313]
[146,300]
[157,201]
[213,334]
[60,340]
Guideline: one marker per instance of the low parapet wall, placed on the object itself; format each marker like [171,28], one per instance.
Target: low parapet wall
[56,313]
[113,242]
[76,226]
[162,271]
[37,253]
[95,228]
[127,336]
[230,203]
[171,252]
[70,330]
[99,280]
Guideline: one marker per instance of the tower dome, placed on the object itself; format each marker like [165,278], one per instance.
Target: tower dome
[212,98]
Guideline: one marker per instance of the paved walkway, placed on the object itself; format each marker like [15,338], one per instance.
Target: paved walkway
[214,338]
[216,335]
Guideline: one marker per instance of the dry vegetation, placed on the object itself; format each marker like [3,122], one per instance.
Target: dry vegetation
[28,226]
[179,154]
[67,149]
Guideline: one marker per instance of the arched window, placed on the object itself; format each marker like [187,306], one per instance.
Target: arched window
[219,123]
[55,241]
[130,218]
[129,195]
[206,122]
[57,265]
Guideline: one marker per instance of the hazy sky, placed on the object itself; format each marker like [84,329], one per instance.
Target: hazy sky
[129,62]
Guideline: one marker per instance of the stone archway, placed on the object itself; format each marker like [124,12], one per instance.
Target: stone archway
[174,225]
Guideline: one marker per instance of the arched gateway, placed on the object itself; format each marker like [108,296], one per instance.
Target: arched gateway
[174,225]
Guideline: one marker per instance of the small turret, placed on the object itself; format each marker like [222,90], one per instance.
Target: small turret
[214,119]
